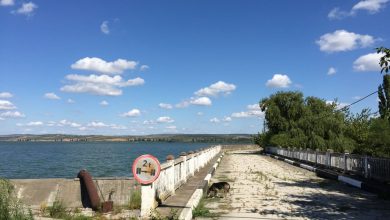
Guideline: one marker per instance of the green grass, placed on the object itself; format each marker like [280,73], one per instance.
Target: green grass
[10,207]
[202,211]
[135,199]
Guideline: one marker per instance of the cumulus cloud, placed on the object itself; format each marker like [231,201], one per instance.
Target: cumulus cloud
[99,84]
[205,101]
[165,119]
[339,105]
[65,122]
[215,89]
[34,123]
[279,81]
[10,114]
[214,120]
[368,62]
[342,40]
[253,110]
[26,9]
[149,122]
[144,67]
[371,6]
[104,103]
[332,71]
[173,127]
[7,2]
[165,106]
[227,119]
[132,113]
[51,95]
[97,124]
[104,27]
[70,101]
[5,95]
[99,65]
[6,105]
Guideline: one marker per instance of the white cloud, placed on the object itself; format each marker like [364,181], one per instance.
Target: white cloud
[99,84]
[215,89]
[342,40]
[165,106]
[132,113]
[5,95]
[332,71]
[51,95]
[69,123]
[368,62]
[6,105]
[214,120]
[104,103]
[97,124]
[336,13]
[199,113]
[173,127]
[183,104]
[357,97]
[149,122]
[118,127]
[2,119]
[26,9]
[104,27]
[102,66]
[279,81]
[14,114]
[227,119]
[205,101]
[339,105]
[7,2]
[165,119]
[144,67]
[70,101]
[253,110]
[34,123]
[372,6]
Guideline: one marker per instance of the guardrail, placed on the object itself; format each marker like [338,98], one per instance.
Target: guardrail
[174,173]
[365,166]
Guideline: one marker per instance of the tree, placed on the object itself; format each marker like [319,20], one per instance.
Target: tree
[384,98]
[385,59]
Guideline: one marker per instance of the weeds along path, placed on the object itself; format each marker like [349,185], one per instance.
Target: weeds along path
[262,187]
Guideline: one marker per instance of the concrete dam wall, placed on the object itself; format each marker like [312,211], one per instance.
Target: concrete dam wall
[38,192]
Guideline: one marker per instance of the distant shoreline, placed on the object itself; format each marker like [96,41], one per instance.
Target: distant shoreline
[190,138]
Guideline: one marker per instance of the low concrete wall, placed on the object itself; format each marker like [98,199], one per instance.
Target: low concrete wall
[36,192]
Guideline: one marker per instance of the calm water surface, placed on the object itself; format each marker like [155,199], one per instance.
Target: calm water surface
[101,159]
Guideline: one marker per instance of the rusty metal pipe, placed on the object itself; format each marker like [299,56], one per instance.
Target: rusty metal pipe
[86,179]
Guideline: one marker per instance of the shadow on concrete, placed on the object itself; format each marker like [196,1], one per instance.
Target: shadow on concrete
[257,152]
[334,201]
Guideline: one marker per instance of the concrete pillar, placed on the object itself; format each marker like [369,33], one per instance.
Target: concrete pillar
[171,173]
[148,200]
[183,167]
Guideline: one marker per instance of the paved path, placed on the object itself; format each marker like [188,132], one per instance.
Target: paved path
[265,188]
[172,206]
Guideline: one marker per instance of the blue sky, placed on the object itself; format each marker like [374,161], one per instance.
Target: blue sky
[147,67]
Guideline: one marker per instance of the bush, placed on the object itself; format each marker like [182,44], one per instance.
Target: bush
[57,210]
[10,207]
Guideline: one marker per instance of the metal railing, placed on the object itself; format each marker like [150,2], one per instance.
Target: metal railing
[365,166]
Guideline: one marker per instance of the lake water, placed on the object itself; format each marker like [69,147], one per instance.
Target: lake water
[65,160]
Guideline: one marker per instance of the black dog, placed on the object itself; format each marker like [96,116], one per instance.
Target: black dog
[216,187]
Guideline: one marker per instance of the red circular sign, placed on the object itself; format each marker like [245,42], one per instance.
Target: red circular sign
[146,169]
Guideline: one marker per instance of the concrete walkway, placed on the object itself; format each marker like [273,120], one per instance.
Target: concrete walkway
[173,206]
[266,188]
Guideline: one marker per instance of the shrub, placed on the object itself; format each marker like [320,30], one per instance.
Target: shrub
[10,207]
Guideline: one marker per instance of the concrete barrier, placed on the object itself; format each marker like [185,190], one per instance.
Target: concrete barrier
[37,192]
[173,174]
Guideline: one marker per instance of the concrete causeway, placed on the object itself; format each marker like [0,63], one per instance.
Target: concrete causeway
[175,204]
[266,188]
